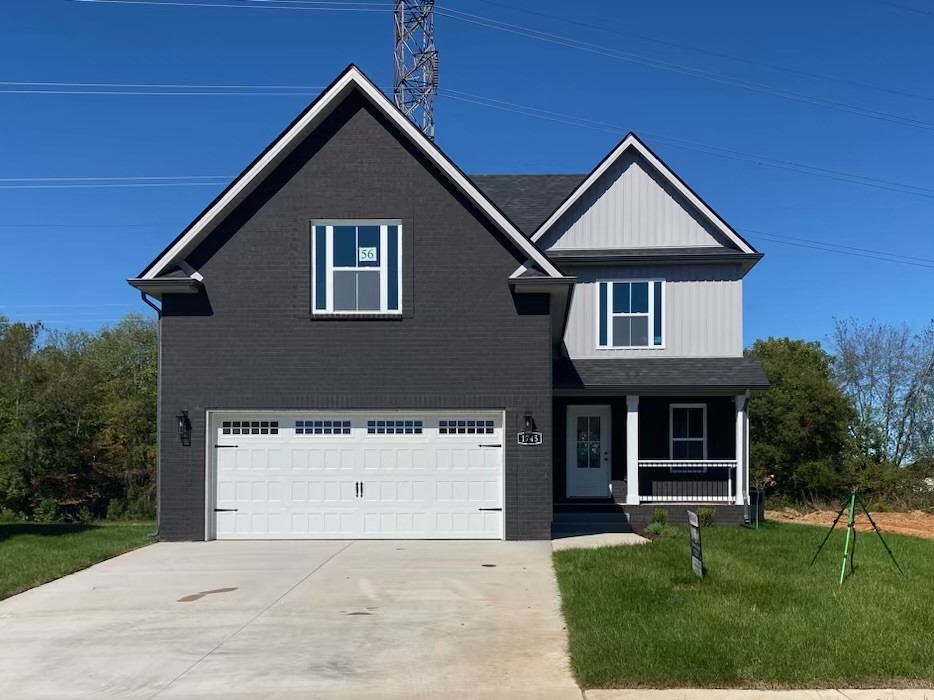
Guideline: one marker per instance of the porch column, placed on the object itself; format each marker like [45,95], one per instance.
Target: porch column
[632,450]
[740,401]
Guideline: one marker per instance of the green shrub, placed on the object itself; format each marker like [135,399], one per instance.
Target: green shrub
[660,516]
[8,516]
[661,530]
[47,511]
[707,516]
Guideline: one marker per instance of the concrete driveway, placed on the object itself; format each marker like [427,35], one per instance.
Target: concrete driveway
[310,619]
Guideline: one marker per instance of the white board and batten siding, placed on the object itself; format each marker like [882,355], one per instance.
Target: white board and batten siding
[703,311]
[631,206]
[355,483]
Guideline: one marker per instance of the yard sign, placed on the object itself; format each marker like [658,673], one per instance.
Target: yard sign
[697,556]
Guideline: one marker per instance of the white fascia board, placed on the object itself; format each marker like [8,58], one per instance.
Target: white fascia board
[275,154]
[190,271]
[632,141]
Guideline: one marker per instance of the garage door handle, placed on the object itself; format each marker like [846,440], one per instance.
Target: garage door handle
[489,445]
[489,508]
[222,446]
[225,510]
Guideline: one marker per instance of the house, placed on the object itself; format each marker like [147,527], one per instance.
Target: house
[354,334]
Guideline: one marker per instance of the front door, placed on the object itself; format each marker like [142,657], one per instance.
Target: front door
[588,452]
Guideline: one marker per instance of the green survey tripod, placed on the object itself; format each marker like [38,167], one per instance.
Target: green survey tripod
[849,550]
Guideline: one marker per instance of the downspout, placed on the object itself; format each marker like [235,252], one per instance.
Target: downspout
[155,535]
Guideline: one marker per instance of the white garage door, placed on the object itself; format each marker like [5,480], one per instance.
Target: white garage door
[345,475]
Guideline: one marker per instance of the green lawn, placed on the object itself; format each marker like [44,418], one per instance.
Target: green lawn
[33,554]
[638,617]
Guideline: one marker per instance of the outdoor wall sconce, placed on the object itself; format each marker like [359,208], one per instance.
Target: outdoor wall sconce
[184,428]
[529,435]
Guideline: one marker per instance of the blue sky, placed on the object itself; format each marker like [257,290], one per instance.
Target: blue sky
[67,250]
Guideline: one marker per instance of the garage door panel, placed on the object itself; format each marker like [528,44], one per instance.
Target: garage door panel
[361,475]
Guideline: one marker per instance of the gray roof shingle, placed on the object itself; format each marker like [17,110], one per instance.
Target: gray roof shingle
[527,199]
[668,373]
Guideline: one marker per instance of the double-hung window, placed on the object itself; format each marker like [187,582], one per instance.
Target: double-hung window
[630,314]
[357,267]
[688,431]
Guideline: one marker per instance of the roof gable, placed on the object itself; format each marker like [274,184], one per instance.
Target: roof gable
[305,124]
[631,172]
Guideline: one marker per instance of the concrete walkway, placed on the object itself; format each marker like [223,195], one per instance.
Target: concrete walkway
[603,539]
[716,694]
[334,620]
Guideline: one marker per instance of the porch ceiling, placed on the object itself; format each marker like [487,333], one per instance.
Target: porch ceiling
[658,375]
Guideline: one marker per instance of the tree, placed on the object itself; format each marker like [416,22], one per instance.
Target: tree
[888,372]
[78,421]
[800,426]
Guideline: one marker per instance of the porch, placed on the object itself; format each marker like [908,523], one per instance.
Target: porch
[688,449]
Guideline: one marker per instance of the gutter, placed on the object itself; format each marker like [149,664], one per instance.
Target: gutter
[154,536]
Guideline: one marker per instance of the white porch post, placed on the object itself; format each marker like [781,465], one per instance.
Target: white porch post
[740,401]
[632,450]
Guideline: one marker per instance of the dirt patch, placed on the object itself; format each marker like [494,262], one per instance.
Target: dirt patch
[916,523]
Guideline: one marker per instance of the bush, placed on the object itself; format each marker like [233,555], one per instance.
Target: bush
[47,511]
[661,530]
[707,516]
[660,516]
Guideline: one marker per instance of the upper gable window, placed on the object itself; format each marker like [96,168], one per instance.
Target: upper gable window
[357,267]
[630,314]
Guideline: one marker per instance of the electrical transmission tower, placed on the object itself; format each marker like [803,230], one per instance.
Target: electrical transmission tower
[415,78]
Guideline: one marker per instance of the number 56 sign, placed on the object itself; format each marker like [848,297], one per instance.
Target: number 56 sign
[366,254]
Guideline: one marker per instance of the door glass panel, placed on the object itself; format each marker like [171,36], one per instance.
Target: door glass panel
[582,455]
[594,455]
[594,427]
[582,430]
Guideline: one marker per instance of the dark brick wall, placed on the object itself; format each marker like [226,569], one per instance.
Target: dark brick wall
[248,342]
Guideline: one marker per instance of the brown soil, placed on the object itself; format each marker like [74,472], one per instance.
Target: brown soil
[916,523]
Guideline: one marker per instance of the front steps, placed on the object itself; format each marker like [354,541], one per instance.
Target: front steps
[576,518]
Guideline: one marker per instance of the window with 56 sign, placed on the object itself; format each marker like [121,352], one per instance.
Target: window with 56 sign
[356,267]
[630,314]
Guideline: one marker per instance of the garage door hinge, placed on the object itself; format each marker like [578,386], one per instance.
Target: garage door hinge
[225,510]
[489,509]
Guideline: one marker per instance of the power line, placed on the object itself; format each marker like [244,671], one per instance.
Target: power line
[110,185]
[707,149]
[840,252]
[128,178]
[162,85]
[906,8]
[312,5]
[684,70]
[70,225]
[614,29]
[911,258]
[336,6]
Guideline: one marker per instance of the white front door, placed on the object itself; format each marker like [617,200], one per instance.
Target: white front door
[588,452]
[357,474]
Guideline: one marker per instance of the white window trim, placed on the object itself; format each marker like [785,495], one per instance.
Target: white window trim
[610,315]
[383,268]
[671,430]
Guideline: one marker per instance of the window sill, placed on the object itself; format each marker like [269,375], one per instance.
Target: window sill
[357,317]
